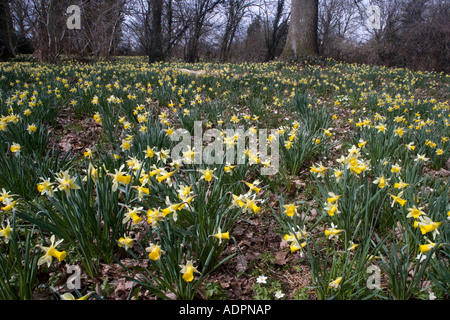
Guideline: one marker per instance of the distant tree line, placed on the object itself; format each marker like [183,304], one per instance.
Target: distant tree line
[412,33]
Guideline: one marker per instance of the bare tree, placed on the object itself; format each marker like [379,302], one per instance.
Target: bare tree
[201,12]
[337,22]
[235,11]
[275,28]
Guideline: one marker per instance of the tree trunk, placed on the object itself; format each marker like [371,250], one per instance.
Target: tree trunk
[156,40]
[302,36]
[6,51]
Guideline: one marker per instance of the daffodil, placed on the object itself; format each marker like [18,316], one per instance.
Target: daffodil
[69,296]
[31,128]
[381,181]
[126,242]
[188,271]
[396,168]
[398,199]
[66,183]
[6,233]
[207,174]
[222,235]
[132,214]
[154,216]
[332,197]
[335,283]
[120,178]
[45,187]
[426,247]
[51,252]
[154,251]
[415,212]
[331,209]
[163,155]
[253,185]
[291,209]
[16,148]
[427,225]
[421,158]
[332,231]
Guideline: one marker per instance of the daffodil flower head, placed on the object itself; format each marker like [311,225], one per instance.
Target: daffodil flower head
[6,233]
[188,271]
[126,242]
[69,296]
[335,283]
[154,251]
[207,174]
[51,252]
[222,235]
[291,209]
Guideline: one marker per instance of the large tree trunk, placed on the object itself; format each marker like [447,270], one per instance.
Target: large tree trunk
[302,37]
[6,51]
[156,53]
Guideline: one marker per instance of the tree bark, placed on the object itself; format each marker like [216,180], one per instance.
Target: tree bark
[156,53]
[302,36]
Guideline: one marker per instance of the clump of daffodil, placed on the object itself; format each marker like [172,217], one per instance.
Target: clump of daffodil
[51,252]
[188,271]
[294,240]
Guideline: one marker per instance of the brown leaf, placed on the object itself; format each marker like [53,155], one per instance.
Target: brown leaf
[280,258]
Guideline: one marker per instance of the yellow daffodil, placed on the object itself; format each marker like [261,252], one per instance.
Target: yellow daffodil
[15,148]
[154,251]
[398,199]
[188,271]
[207,174]
[51,252]
[66,183]
[126,242]
[222,235]
[335,283]
[381,181]
[6,233]
[291,209]
[132,214]
[415,212]
[120,178]
[69,296]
